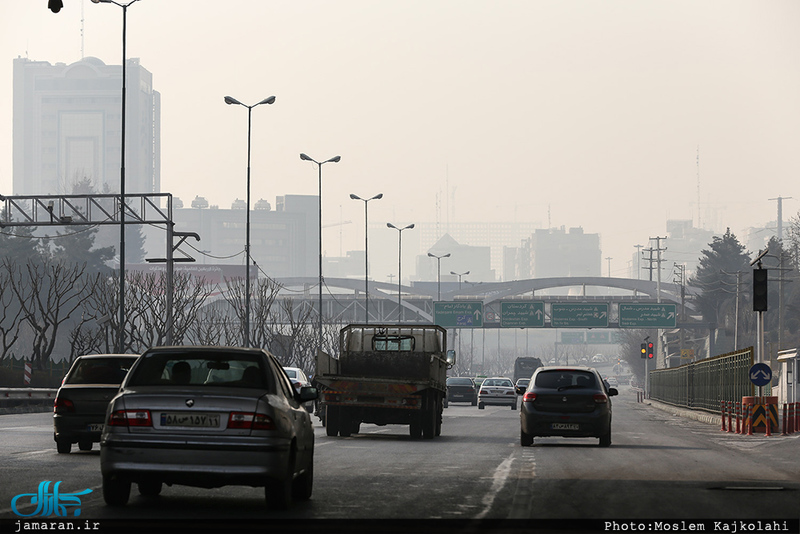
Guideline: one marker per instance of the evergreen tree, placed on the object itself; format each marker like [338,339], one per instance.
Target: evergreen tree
[716,274]
[18,243]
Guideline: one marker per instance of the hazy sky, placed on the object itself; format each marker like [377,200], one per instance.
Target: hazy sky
[574,113]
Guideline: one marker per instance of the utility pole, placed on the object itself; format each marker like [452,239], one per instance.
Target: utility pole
[650,262]
[639,264]
[780,216]
[658,291]
[609,266]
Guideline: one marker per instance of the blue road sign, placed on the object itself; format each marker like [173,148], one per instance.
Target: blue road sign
[760,374]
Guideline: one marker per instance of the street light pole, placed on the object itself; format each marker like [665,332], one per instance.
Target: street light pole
[399,267]
[121,326]
[366,252]
[438,273]
[459,275]
[334,159]
[232,101]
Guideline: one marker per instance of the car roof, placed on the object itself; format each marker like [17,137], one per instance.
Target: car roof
[203,348]
[105,356]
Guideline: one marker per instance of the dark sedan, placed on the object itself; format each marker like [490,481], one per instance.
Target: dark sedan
[462,389]
[567,402]
[80,406]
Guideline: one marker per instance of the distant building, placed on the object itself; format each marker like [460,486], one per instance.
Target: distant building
[557,253]
[67,126]
[283,242]
[463,258]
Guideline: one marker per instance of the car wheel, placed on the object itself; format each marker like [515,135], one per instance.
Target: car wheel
[480,406]
[150,488]
[514,406]
[304,484]
[116,491]
[474,402]
[63,446]
[85,445]
[526,440]
[605,440]
[278,492]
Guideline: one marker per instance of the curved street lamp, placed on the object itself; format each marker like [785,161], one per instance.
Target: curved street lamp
[399,267]
[438,273]
[232,101]
[366,252]
[319,164]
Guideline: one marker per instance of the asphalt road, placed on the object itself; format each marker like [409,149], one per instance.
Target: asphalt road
[659,466]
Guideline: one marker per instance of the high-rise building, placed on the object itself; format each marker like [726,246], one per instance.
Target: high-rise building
[68,127]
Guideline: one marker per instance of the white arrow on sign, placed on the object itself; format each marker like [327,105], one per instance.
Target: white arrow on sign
[760,373]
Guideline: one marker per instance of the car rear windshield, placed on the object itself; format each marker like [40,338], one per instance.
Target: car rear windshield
[100,371]
[563,378]
[217,369]
[498,382]
[459,382]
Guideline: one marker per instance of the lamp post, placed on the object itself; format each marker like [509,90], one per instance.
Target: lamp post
[438,273]
[232,101]
[459,275]
[366,252]
[334,159]
[121,326]
[399,267]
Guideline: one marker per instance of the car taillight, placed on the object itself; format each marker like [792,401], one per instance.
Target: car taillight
[253,421]
[529,397]
[130,418]
[600,398]
[63,406]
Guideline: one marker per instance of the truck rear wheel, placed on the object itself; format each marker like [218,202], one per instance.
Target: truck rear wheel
[429,416]
[415,429]
[332,421]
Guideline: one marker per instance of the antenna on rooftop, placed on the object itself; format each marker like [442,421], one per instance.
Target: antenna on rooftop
[82,28]
[699,225]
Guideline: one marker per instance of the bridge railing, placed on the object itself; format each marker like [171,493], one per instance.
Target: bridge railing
[706,383]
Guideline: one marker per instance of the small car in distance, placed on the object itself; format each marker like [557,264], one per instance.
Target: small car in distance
[208,417]
[566,401]
[497,391]
[299,380]
[462,389]
[79,410]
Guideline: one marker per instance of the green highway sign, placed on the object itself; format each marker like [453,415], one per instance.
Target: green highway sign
[522,314]
[572,338]
[647,315]
[579,315]
[463,314]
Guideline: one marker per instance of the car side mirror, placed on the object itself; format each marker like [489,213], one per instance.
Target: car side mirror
[308,393]
[451,357]
[520,390]
[612,392]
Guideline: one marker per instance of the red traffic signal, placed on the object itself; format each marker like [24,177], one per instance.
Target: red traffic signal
[649,350]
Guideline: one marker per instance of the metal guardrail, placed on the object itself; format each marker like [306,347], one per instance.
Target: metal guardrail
[705,384]
[10,397]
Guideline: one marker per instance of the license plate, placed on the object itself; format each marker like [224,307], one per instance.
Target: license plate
[565,426]
[96,428]
[197,420]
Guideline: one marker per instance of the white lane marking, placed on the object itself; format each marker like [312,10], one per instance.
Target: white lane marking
[499,477]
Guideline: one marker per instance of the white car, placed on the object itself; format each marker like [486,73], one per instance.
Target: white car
[497,391]
[299,380]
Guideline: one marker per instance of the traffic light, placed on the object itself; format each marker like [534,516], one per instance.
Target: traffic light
[55,5]
[649,350]
[760,289]
[644,350]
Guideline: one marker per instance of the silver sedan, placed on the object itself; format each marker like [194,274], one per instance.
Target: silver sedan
[208,417]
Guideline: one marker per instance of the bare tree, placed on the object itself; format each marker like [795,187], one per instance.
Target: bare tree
[48,293]
[10,310]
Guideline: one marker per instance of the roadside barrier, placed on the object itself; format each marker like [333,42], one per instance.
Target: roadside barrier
[722,411]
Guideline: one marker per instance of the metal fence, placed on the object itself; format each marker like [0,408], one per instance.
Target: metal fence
[705,384]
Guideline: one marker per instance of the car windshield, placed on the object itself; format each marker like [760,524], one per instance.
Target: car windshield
[563,379]
[459,382]
[200,369]
[292,373]
[100,371]
[498,382]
